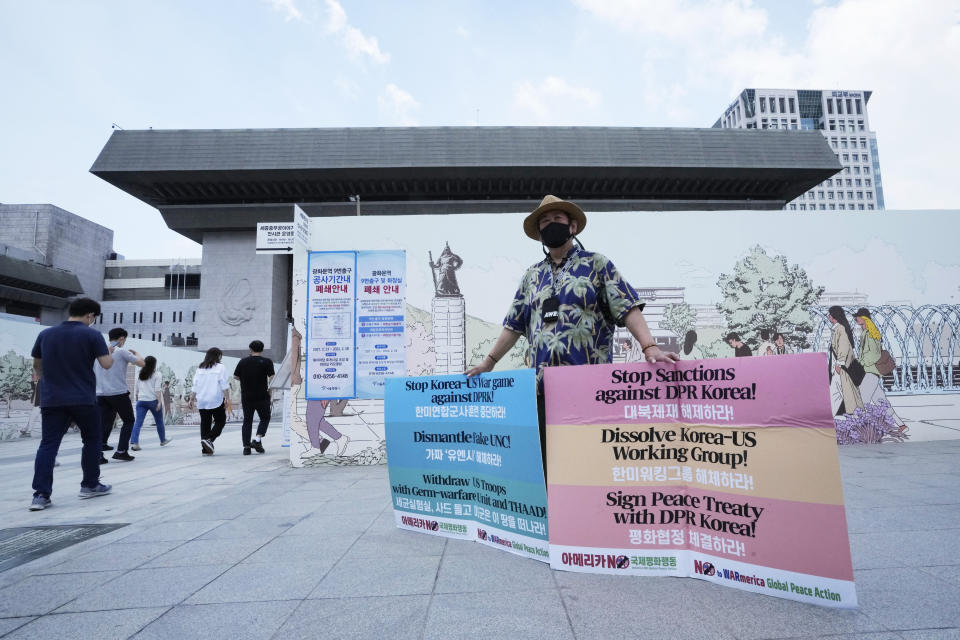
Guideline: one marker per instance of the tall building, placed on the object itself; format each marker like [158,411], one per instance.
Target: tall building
[841,116]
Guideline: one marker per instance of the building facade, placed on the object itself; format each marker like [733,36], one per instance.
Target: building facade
[155,300]
[842,118]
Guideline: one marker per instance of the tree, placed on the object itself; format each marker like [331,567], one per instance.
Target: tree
[765,292]
[168,375]
[188,381]
[15,376]
[679,318]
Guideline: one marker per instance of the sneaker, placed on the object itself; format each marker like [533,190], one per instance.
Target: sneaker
[246,451]
[257,445]
[107,447]
[207,447]
[135,446]
[94,492]
[40,503]
[166,442]
[124,456]
[103,460]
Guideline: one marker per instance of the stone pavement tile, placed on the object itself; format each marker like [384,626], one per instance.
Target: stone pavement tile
[610,606]
[948,573]
[465,548]
[257,582]
[865,497]
[201,552]
[517,614]
[169,531]
[258,529]
[360,505]
[949,480]
[493,571]
[305,549]
[113,556]
[231,621]
[328,523]
[9,624]
[291,508]
[357,618]
[37,595]
[397,542]
[904,518]
[102,625]
[772,617]
[222,510]
[145,588]
[931,634]
[882,549]
[908,598]
[389,576]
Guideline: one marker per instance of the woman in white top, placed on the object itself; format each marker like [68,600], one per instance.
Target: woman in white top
[209,384]
[148,399]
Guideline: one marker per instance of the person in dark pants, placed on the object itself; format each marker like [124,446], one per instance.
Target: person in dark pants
[254,373]
[113,395]
[209,386]
[63,358]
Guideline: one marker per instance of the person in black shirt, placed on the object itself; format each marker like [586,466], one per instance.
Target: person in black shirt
[254,372]
[740,350]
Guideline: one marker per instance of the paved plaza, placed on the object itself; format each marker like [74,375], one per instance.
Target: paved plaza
[246,547]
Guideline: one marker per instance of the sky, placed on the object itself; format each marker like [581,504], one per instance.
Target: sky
[70,71]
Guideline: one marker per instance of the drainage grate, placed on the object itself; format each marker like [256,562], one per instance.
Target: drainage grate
[23,544]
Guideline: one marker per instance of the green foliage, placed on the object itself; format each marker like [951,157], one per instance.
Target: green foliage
[765,292]
[168,375]
[679,318]
[188,381]
[15,376]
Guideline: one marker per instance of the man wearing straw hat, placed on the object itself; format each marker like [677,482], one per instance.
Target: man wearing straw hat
[569,304]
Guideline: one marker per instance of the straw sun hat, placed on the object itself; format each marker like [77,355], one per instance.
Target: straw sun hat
[552,203]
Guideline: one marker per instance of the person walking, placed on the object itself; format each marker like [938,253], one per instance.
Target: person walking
[254,373]
[63,358]
[113,395]
[148,392]
[210,386]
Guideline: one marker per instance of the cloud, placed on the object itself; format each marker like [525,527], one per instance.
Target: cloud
[552,97]
[905,55]
[287,7]
[398,105]
[357,44]
[879,270]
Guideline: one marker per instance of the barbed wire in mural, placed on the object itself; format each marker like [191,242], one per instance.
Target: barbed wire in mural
[924,341]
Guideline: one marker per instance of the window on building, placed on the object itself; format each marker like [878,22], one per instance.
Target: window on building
[793,206]
[793,108]
[763,123]
[830,195]
[783,123]
[842,127]
[763,104]
[863,143]
[860,125]
[114,317]
[843,143]
[858,182]
[869,195]
[833,125]
[846,170]
[850,195]
[793,123]
[840,106]
[773,124]
[121,317]
[154,316]
[839,195]
[846,157]
[870,207]
[856,170]
[863,157]
[849,183]
[866,182]
[833,207]
[859,195]
[161,316]
[849,105]
[841,207]
[860,206]
[194,317]
[830,106]
[820,194]
[866,171]
[773,105]
[859,107]
[833,142]
[803,207]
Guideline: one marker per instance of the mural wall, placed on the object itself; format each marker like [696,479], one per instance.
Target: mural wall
[769,278]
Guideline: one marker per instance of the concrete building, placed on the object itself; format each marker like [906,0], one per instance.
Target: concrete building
[48,256]
[213,186]
[155,300]
[842,118]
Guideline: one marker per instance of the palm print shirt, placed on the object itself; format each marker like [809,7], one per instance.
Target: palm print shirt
[593,298]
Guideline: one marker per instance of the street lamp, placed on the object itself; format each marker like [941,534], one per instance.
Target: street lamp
[356,199]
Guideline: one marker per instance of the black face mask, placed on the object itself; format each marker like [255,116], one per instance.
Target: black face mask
[555,234]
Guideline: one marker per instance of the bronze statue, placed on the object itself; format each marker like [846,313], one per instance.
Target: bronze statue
[444,272]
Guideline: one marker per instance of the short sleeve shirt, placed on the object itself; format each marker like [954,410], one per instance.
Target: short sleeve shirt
[67,352]
[594,300]
[113,381]
[253,372]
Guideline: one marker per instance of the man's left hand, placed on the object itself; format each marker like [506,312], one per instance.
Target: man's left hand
[654,355]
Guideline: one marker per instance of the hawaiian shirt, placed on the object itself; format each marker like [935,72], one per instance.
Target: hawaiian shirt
[594,299]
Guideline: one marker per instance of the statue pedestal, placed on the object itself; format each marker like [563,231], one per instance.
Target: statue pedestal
[449,334]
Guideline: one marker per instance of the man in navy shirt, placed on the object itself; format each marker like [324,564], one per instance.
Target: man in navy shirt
[63,358]
[254,372]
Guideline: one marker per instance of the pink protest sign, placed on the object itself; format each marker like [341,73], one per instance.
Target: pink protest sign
[722,470]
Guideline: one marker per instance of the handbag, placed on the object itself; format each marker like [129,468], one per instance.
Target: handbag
[856,371]
[886,364]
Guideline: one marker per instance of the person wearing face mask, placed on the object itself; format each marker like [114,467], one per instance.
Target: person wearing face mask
[569,304]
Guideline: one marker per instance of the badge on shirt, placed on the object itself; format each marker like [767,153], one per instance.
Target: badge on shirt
[551,310]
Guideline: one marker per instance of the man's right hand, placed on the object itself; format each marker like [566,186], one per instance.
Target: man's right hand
[485,365]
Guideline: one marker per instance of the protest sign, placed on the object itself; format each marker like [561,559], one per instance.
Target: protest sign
[464,459]
[722,470]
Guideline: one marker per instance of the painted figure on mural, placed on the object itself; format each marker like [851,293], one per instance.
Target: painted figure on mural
[844,393]
[871,351]
[444,272]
